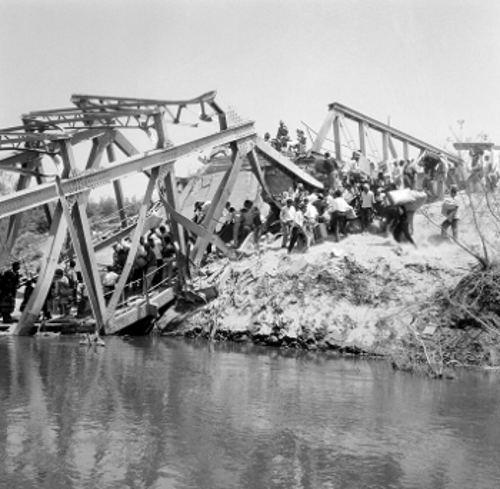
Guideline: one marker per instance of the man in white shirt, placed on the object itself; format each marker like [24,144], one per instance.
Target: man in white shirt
[298,229]
[329,201]
[338,216]
[310,219]
[367,201]
[287,217]
[109,282]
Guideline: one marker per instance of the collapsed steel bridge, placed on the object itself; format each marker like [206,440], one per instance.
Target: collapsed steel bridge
[103,121]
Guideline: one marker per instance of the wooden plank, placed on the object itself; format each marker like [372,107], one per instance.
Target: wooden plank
[133,248]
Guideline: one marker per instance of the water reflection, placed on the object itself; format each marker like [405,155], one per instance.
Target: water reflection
[154,412]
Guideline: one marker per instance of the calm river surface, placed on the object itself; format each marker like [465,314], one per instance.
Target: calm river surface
[163,413]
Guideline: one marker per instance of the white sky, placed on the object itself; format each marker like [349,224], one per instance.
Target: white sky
[424,63]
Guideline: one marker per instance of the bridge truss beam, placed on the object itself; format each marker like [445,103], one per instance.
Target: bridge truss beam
[100,120]
[335,121]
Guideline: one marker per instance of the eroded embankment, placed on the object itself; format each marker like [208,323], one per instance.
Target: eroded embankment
[463,322]
[323,300]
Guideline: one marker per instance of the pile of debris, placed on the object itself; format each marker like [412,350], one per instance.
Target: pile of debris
[459,326]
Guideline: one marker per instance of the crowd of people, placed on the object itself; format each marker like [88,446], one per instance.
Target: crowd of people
[154,263]
[282,142]
[355,195]
[355,199]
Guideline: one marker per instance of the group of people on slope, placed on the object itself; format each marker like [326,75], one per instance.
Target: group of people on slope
[367,191]
[304,210]
[235,225]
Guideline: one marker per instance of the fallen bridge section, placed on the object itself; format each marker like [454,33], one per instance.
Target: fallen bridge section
[66,193]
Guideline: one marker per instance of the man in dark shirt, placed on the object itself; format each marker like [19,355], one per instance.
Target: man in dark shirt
[9,285]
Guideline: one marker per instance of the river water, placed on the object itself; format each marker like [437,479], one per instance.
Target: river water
[163,413]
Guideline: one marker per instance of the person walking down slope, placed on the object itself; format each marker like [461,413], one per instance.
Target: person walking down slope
[449,209]
[401,227]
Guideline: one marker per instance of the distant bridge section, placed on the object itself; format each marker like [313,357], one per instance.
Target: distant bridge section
[371,137]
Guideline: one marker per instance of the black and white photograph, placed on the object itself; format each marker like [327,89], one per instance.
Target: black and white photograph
[249,244]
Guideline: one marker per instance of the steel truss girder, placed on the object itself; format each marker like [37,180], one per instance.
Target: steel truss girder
[97,112]
[45,193]
[74,118]
[20,139]
[337,110]
[123,103]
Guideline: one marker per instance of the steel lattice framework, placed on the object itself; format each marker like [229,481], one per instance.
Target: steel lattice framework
[65,193]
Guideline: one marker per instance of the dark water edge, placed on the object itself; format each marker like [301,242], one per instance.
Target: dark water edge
[162,412]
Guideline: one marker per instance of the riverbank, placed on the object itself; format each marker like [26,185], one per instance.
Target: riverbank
[366,295]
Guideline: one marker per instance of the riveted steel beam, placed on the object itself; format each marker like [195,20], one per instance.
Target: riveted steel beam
[30,198]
